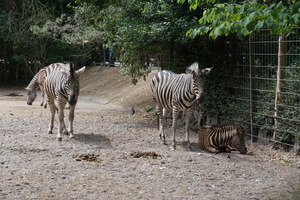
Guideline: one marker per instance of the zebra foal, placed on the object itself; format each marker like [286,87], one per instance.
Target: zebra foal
[177,92]
[36,83]
[225,137]
[62,86]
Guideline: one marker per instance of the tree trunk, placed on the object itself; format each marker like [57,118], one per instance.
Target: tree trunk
[278,98]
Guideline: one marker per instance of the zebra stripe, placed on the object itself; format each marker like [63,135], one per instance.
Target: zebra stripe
[177,92]
[62,86]
[225,137]
[36,83]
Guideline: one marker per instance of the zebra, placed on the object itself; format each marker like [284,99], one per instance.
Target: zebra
[177,92]
[224,137]
[37,82]
[62,86]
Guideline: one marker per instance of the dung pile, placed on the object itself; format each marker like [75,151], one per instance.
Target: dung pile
[139,154]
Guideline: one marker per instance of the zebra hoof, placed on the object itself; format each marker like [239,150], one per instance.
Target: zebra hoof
[49,132]
[72,137]
[59,139]
[173,146]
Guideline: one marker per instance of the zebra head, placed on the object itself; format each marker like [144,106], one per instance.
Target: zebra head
[238,140]
[31,95]
[198,79]
[72,82]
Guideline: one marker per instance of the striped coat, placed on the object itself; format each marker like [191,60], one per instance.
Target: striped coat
[36,83]
[62,86]
[225,137]
[177,92]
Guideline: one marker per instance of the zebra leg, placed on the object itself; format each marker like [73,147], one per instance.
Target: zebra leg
[45,100]
[161,120]
[212,150]
[43,95]
[71,119]
[61,123]
[52,110]
[228,149]
[64,128]
[174,124]
[188,114]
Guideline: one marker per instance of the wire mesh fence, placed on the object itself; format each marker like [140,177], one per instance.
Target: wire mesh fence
[268,106]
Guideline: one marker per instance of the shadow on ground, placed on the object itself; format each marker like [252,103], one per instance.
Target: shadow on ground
[97,140]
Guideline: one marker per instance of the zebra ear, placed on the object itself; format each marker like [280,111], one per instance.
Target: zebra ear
[206,70]
[193,69]
[80,71]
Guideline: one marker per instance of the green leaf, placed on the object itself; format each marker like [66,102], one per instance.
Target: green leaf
[259,25]
[193,6]
[203,29]
[192,33]
[236,27]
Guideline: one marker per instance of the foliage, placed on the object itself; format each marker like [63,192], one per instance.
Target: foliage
[149,108]
[143,28]
[75,29]
[14,29]
[245,17]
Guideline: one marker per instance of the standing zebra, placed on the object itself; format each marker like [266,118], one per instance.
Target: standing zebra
[37,82]
[177,92]
[224,137]
[62,86]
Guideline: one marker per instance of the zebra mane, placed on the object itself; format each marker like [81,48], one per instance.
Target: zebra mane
[72,71]
[193,68]
[33,83]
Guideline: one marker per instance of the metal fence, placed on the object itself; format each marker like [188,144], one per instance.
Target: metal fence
[251,87]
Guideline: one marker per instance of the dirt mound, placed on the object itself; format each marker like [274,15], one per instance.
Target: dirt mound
[106,85]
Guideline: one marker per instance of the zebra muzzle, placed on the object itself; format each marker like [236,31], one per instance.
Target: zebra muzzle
[200,98]
[72,101]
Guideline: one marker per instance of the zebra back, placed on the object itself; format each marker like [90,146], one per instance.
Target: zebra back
[62,82]
[220,137]
[170,89]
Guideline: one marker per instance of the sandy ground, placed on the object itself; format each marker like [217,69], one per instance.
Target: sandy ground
[117,155]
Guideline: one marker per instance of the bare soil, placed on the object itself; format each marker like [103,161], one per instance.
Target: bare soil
[117,155]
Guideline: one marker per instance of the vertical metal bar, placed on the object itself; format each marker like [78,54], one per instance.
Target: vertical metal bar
[250,89]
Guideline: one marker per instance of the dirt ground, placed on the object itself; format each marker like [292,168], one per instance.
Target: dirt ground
[117,155]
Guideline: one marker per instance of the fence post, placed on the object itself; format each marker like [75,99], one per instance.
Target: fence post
[281,61]
[251,87]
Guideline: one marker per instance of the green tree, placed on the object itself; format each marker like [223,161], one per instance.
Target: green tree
[24,52]
[142,28]
[245,17]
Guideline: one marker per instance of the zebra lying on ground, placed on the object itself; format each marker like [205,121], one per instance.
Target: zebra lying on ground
[224,137]
[177,92]
[36,83]
[62,86]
